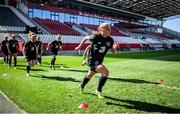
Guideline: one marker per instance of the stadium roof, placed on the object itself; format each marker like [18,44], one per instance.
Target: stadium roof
[157,9]
[100,9]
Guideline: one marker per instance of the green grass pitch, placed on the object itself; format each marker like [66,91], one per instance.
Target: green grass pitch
[131,87]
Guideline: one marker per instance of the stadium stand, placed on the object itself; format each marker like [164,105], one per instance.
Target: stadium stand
[128,42]
[72,32]
[172,33]
[12,29]
[51,8]
[154,42]
[114,30]
[56,27]
[8,18]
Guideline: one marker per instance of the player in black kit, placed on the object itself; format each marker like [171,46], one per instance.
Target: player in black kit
[30,53]
[54,47]
[86,51]
[100,44]
[4,49]
[39,51]
[13,49]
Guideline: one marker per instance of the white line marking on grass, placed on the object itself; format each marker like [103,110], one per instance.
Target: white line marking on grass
[177,88]
[8,106]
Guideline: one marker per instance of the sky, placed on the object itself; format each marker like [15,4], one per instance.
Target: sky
[173,24]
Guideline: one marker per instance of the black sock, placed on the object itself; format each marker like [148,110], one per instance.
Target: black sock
[7,60]
[84,82]
[28,68]
[10,61]
[4,60]
[102,81]
[15,61]
[54,62]
[39,60]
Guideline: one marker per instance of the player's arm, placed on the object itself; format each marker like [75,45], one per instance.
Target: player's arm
[114,48]
[86,51]
[1,47]
[60,47]
[82,42]
[8,48]
[41,48]
[17,46]
[49,46]
[24,51]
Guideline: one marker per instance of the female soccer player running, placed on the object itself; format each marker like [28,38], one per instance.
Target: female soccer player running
[30,53]
[4,49]
[100,44]
[13,49]
[54,46]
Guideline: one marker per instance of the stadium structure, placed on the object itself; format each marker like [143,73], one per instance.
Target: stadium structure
[136,24]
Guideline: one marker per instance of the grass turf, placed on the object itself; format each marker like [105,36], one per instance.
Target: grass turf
[130,88]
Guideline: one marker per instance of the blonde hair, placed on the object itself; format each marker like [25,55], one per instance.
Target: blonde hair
[105,25]
[95,33]
[58,37]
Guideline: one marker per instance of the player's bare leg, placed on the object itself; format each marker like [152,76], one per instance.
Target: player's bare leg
[86,79]
[39,59]
[30,63]
[10,59]
[5,58]
[53,62]
[15,60]
[102,80]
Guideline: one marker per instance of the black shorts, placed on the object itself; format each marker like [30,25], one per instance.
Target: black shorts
[39,52]
[93,64]
[5,52]
[13,51]
[30,58]
[54,53]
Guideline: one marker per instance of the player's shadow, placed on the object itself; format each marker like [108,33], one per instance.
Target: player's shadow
[21,65]
[75,70]
[142,106]
[47,63]
[149,55]
[57,78]
[133,80]
[57,66]
[138,105]
[34,69]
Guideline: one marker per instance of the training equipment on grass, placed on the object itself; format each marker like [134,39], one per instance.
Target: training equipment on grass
[5,74]
[83,106]
[160,81]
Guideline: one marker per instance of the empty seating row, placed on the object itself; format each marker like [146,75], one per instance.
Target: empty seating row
[12,29]
[8,18]
[114,30]
[51,8]
[71,41]
[56,27]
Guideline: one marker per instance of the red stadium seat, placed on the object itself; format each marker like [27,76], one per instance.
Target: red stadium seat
[56,27]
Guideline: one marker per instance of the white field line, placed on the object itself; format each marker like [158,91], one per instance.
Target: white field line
[177,88]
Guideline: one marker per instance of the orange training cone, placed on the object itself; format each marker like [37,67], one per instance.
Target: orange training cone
[161,81]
